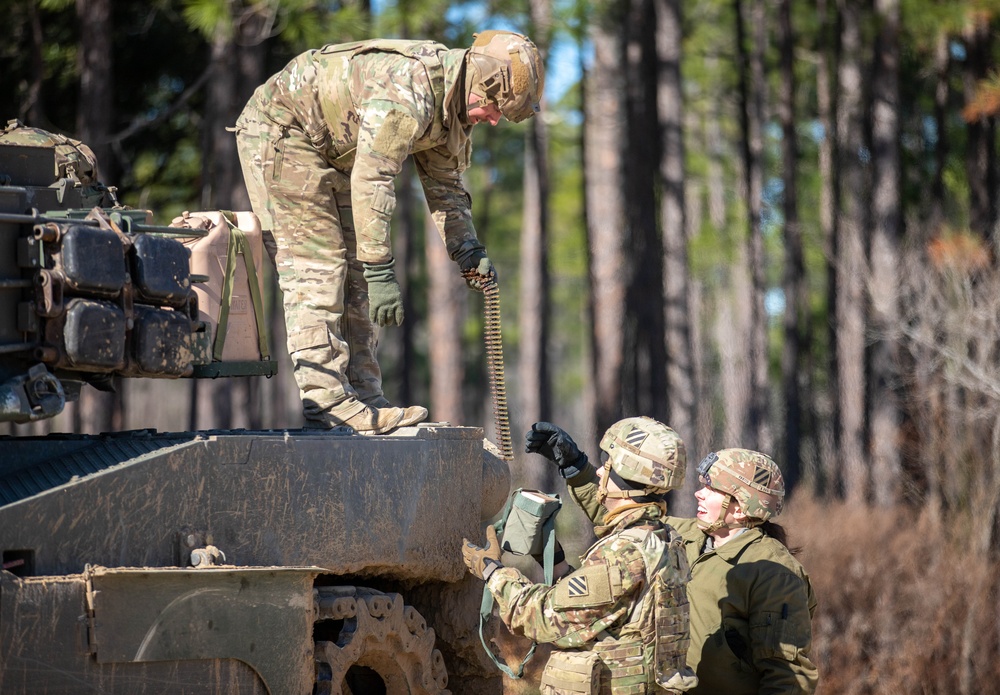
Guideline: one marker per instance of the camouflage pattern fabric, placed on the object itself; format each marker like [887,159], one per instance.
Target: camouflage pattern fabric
[753,478]
[751,609]
[606,605]
[74,160]
[646,452]
[320,144]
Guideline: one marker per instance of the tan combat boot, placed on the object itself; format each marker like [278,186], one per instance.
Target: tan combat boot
[371,420]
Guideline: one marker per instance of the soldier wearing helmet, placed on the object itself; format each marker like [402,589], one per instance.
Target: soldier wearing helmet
[602,618]
[751,600]
[320,144]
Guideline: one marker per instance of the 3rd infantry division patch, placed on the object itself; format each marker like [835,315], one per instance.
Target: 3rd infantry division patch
[578,587]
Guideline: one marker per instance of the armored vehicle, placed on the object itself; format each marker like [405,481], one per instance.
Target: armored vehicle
[277,561]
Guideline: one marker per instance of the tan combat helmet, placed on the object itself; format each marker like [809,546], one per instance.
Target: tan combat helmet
[506,69]
[647,454]
[750,477]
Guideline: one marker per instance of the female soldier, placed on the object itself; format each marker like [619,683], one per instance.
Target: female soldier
[751,602]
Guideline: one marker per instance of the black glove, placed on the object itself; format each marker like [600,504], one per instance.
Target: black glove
[471,255]
[557,446]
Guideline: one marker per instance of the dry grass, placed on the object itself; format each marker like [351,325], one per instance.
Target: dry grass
[904,605]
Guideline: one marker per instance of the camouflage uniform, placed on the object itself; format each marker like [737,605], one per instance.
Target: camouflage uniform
[751,610]
[605,606]
[320,143]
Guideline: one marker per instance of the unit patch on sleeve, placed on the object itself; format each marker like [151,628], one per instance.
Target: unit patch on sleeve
[578,587]
[588,586]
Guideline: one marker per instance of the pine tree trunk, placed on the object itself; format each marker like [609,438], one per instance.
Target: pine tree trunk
[826,402]
[98,411]
[794,281]
[885,259]
[604,123]
[644,378]
[681,385]
[980,155]
[750,61]
[533,308]
[446,295]
[850,261]
[94,115]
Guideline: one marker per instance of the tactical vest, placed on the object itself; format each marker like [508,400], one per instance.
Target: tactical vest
[308,113]
[425,52]
[650,651]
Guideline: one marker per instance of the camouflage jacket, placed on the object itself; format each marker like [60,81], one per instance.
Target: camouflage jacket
[365,107]
[751,610]
[607,606]
[592,602]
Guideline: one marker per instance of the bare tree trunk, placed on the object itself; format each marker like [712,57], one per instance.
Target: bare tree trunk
[215,399]
[794,282]
[885,258]
[533,309]
[253,29]
[683,413]
[980,156]
[826,403]
[942,65]
[644,374]
[851,262]
[98,411]
[756,434]
[447,295]
[94,116]
[604,124]
[32,110]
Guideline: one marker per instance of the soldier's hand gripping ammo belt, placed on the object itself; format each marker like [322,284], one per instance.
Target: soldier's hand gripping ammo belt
[494,361]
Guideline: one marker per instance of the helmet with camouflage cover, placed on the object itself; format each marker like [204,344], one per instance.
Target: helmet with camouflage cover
[753,479]
[506,69]
[74,160]
[646,454]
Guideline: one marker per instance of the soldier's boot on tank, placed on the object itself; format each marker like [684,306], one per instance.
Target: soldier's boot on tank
[369,420]
[377,402]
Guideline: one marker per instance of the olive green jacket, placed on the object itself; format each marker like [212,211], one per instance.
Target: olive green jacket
[751,611]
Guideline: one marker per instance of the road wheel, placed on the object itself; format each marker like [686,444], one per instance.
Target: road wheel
[370,642]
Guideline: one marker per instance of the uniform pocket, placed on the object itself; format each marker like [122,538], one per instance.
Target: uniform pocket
[383,200]
[308,338]
[774,637]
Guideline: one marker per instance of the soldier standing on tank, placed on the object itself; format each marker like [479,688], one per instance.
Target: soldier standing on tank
[751,600]
[320,144]
[605,615]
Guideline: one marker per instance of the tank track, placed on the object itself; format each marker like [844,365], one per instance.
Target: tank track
[379,639]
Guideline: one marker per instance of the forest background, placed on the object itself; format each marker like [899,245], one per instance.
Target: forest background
[769,224]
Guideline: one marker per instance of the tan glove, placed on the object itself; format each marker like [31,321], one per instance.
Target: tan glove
[482,561]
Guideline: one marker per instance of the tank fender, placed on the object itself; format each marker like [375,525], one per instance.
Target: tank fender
[262,616]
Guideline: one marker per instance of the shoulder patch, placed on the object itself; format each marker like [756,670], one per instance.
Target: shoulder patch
[588,586]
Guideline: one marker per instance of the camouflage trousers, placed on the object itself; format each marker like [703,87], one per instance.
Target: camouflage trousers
[306,205]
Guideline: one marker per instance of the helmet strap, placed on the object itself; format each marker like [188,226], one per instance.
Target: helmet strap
[719,523]
[624,491]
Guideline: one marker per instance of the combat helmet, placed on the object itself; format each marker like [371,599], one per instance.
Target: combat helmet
[506,69]
[643,457]
[751,478]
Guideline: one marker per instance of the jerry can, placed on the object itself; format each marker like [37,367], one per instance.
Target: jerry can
[229,261]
